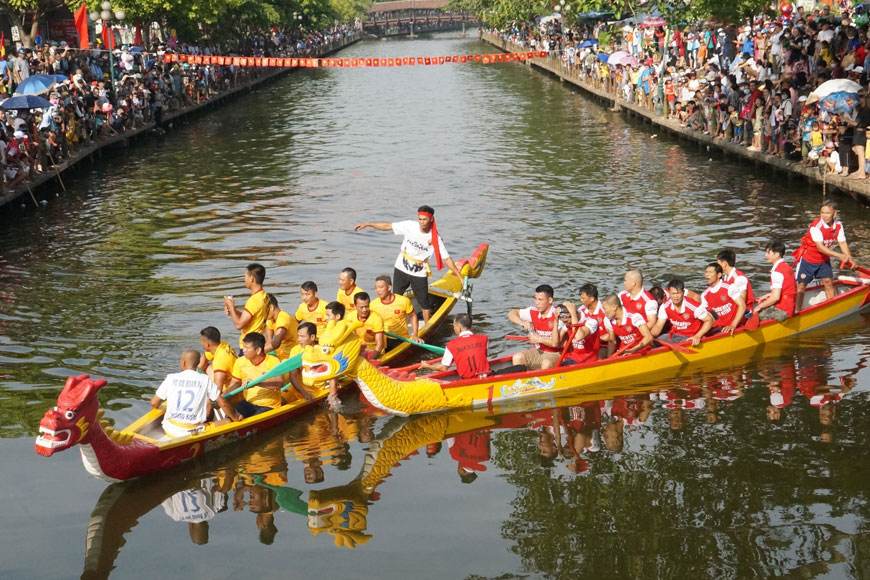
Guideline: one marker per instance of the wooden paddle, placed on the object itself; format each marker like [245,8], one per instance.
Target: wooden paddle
[291,364]
[678,347]
[752,323]
[516,337]
[423,345]
[411,367]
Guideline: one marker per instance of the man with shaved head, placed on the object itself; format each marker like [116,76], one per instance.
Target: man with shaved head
[637,300]
[188,397]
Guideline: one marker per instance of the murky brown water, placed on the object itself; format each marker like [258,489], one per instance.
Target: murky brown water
[699,476]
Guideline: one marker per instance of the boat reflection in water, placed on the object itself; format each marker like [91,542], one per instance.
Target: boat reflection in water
[571,434]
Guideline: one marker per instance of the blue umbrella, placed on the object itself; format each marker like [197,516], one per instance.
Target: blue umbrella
[35,84]
[839,102]
[603,57]
[24,102]
[588,43]
[136,49]
[58,77]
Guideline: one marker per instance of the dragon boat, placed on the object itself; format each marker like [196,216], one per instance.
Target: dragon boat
[143,448]
[404,394]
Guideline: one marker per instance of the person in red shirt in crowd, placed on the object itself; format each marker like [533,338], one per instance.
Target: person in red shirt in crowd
[467,350]
[816,250]
[731,275]
[546,331]
[689,320]
[586,342]
[723,300]
[783,290]
[635,299]
[629,327]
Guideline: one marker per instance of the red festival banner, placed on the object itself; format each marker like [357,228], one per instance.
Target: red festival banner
[489,58]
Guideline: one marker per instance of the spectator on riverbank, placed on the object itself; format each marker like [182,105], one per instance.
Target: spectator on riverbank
[746,85]
[86,108]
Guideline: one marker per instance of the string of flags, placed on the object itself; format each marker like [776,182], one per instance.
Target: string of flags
[256,61]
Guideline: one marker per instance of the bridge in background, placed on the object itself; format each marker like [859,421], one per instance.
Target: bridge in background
[410,17]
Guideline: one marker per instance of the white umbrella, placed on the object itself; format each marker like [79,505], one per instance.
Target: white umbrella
[834,86]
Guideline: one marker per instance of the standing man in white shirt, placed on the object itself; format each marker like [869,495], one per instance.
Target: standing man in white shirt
[420,243]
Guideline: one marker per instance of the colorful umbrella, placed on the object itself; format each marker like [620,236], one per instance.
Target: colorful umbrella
[588,43]
[839,102]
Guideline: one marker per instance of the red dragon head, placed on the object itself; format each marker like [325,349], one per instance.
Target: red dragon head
[69,423]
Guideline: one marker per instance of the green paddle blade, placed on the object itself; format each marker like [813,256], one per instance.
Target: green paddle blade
[288,498]
[291,364]
[429,347]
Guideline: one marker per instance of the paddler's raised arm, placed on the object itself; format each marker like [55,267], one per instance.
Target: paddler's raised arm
[382,226]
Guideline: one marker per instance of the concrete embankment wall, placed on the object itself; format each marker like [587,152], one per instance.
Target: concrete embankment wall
[52,179]
[857,189]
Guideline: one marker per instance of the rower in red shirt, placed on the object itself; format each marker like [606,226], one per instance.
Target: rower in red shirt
[546,331]
[467,350]
[629,327]
[783,289]
[689,319]
[586,342]
[591,307]
[723,300]
[731,275]
[635,299]
[816,250]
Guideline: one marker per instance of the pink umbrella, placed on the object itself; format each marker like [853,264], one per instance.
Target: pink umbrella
[622,58]
[654,22]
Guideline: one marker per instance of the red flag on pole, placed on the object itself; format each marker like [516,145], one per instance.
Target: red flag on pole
[81,20]
[137,40]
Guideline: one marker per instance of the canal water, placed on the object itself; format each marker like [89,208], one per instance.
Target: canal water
[751,467]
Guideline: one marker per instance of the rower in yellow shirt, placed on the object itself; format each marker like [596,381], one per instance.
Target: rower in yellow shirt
[347,289]
[306,335]
[394,309]
[312,309]
[253,364]
[221,356]
[253,317]
[280,330]
[371,333]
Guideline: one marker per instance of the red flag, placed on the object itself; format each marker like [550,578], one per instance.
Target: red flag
[81,20]
[476,58]
[427,60]
[108,39]
[440,60]
[419,60]
[137,40]
[237,61]
[383,62]
[315,62]
[399,62]
[543,54]
[522,56]
[462,58]
[347,62]
[485,60]
[167,57]
[294,62]
[391,62]
[368,62]
[376,62]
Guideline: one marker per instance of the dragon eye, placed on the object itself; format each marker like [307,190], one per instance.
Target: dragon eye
[69,415]
[324,349]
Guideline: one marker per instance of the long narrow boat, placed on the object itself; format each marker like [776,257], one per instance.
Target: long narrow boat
[143,448]
[401,394]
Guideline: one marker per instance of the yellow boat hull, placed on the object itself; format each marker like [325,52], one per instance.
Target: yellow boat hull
[661,361]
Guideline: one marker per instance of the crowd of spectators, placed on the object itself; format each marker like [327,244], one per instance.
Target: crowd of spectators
[87,107]
[747,84]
